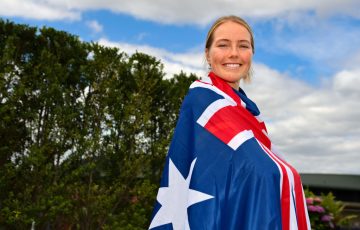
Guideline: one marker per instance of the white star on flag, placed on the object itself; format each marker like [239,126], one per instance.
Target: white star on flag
[176,198]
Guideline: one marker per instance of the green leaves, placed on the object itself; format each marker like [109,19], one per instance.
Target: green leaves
[325,212]
[84,130]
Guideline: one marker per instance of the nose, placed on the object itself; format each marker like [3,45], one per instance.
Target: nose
[234,51]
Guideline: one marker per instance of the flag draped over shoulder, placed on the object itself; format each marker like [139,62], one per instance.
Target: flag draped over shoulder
[221,171]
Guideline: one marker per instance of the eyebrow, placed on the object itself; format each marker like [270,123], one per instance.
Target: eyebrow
[228,40]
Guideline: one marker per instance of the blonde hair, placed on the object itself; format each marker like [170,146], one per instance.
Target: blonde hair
[236,19]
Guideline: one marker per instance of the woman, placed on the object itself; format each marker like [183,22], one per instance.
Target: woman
[221,172]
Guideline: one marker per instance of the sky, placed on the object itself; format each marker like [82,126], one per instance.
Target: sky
[306,65]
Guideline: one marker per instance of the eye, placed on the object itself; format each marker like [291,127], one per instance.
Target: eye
[245,46]
[222,45]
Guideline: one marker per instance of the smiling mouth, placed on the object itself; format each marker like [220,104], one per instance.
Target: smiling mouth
[232,65]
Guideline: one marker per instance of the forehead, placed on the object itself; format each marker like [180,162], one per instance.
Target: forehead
[232,31]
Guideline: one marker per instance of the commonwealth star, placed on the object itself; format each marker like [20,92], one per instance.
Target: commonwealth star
[176,198]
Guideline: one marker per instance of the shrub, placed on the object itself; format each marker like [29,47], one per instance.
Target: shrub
[325,212]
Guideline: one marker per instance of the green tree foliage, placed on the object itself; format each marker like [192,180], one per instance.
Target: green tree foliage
[84,130]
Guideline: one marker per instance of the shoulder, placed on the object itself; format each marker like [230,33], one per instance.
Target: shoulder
[200,95]
[201,92]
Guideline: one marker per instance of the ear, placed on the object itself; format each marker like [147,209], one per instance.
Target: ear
[207,55]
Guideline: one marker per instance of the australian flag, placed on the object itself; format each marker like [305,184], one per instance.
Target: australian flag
[221,171]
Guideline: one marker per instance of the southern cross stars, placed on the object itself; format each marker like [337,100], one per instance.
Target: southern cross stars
[176,198]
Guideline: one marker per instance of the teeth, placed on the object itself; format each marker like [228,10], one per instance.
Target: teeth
[232,65]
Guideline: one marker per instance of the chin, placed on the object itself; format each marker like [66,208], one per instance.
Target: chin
[234,77]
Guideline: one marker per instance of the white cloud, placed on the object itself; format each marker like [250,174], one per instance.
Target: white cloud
[329,43]
[201,12]
[347,83]
[95,26]
[316,128]
[188,11]
[37,10]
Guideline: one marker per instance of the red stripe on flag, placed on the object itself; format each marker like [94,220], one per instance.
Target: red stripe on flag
[227,122]
[241,112]
[285,193]
[300,205]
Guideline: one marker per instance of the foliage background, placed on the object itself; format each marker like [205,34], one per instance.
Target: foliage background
[325,212]
[84,130]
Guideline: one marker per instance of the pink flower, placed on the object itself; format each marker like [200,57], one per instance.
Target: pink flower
[326,218]
[320,209]
[309,200]
[317,199]
[316,208]
[312,208]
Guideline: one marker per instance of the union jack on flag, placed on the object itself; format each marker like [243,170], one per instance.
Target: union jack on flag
[221,171]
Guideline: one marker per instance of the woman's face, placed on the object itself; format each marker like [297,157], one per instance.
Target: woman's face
[230,53]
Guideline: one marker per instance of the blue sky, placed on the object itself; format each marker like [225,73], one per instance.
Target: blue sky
[185,37]
[307,60]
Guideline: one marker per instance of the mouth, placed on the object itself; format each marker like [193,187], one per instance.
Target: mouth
[232,65]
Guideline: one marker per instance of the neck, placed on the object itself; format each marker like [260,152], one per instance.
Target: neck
[234,85]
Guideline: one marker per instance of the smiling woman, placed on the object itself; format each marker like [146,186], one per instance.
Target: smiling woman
[229,49]
[221,169]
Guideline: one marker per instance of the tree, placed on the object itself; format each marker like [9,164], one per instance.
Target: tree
[84,130]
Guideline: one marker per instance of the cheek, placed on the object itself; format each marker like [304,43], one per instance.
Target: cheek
[215,57]
[247,57]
